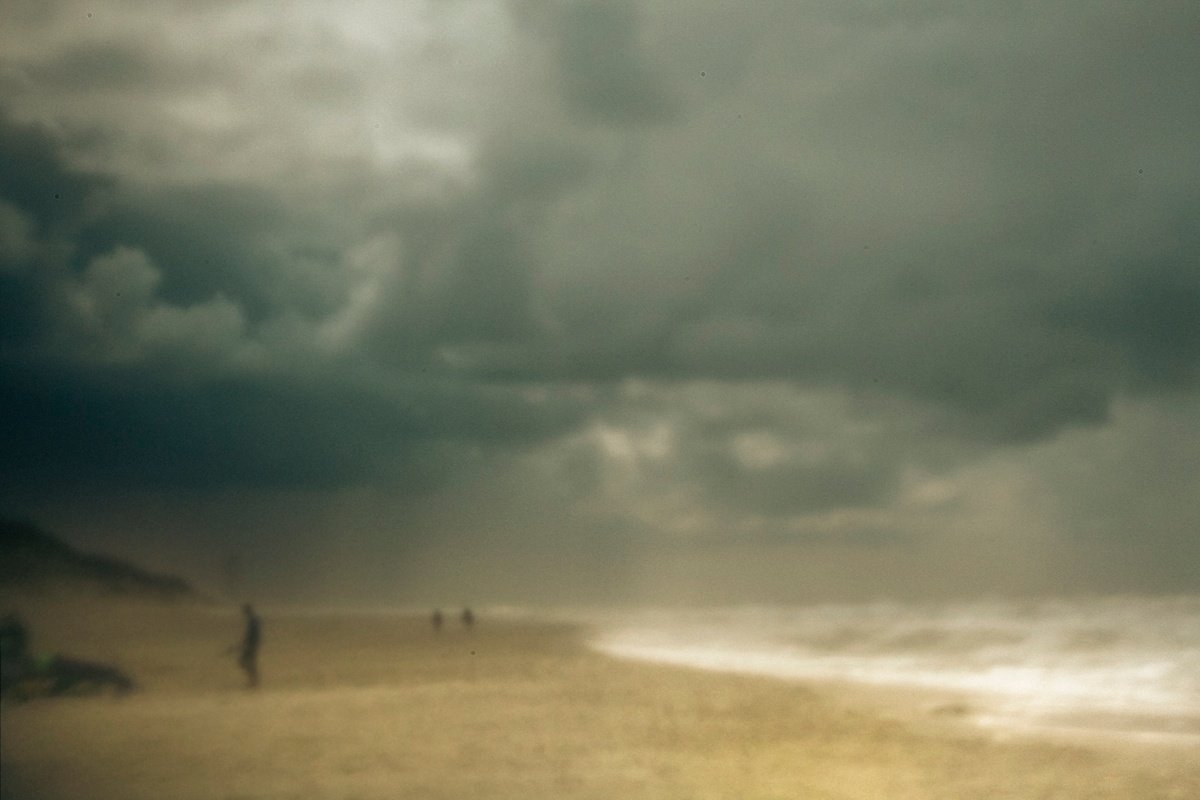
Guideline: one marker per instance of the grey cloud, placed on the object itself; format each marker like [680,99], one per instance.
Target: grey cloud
[730,260]
[352,253]
[205,238]
[45,202]
[126,426]
[936,159]
[112,313]
[160,352]
[21,315]
[604,74]
[526,169]
[703,463]
[605,77]
[16,239]
[490,288]
[1152,313]
[39,182]
[328,84]
[105,67]
[786,453]
[793,488]
[466,272]
[123,429]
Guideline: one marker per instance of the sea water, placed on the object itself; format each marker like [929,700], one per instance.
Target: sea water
[1122,665]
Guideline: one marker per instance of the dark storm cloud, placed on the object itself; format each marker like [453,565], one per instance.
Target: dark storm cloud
[1152,311]
[113,429]
[207,239]
[130,428]
[92,398]
[39,182]
[44,202]
[205,236]
[769,286]
[774,272]
[958,193]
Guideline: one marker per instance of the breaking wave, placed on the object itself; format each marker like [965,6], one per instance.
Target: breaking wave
[1121,663]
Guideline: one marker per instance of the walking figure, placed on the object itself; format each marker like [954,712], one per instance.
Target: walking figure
[468,618]
[248,657]
[437,620]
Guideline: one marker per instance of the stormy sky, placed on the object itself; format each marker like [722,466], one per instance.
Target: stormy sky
[602,300]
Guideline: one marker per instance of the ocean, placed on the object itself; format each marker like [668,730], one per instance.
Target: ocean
[1127,666]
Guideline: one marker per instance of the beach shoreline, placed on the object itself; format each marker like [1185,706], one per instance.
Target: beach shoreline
[975,714]
[372,706]
[1093,668]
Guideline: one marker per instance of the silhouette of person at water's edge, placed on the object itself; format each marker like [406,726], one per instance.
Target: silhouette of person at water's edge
[251,639]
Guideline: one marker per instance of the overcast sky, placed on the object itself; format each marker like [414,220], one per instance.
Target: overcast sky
[537,300]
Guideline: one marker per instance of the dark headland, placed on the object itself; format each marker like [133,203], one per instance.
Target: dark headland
[33,560]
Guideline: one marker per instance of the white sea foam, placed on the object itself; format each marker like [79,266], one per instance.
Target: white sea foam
[1123,663]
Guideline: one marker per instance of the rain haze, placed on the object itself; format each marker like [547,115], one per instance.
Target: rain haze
[606,302]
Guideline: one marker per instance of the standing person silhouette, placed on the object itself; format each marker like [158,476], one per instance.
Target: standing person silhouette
[248,657]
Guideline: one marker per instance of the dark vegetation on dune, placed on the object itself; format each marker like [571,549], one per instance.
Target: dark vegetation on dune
[33,560]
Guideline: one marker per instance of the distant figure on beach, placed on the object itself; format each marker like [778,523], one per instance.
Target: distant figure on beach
[468,618]
[437,620]
[248,657]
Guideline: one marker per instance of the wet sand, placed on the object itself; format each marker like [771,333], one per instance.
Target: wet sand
[361,706]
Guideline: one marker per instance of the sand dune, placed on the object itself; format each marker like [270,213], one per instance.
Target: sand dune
[381,707]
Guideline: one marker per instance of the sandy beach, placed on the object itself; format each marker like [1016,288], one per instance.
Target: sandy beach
[379,706]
